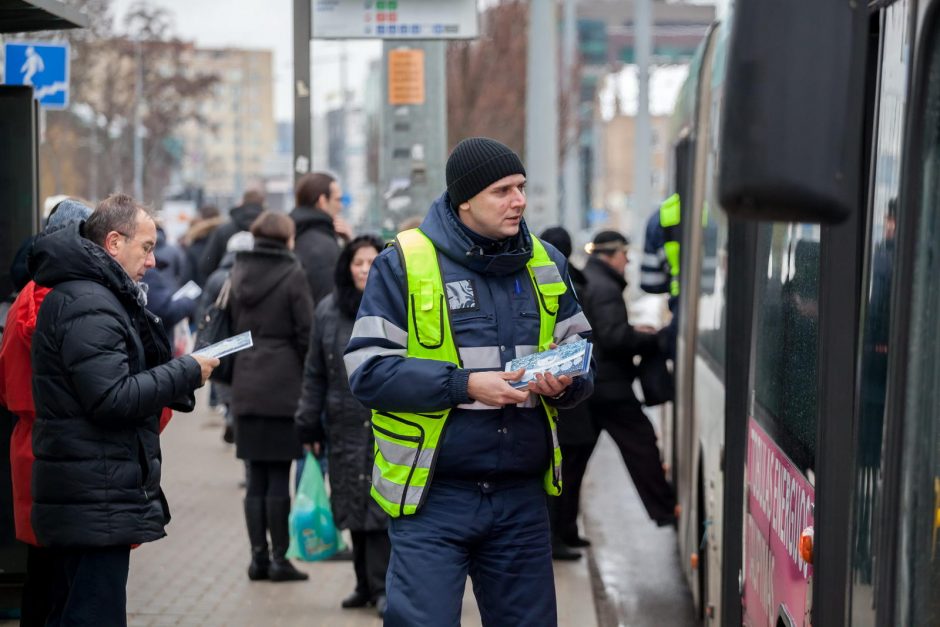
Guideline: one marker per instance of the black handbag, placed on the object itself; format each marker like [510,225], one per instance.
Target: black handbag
[656,380]
[214,327]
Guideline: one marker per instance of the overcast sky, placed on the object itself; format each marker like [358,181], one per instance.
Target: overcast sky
[266,24]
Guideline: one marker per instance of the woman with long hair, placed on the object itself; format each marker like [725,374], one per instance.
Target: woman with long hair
[346,425]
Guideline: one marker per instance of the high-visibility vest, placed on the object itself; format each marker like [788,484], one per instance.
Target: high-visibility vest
[407,443]
[669,217]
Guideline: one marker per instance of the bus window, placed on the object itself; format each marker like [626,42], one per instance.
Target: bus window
[876,301]
[786,332]
[711,297]
[919,557]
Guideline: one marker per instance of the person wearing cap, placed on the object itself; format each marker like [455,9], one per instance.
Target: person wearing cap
[614,407]
[577,436]
[463,459]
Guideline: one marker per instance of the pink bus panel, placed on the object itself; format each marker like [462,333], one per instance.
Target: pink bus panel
[779,507]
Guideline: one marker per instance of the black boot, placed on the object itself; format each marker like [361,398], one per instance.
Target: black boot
[256,521]
[280,569]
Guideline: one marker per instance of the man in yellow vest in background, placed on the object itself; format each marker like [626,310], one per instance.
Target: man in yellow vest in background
[463,459]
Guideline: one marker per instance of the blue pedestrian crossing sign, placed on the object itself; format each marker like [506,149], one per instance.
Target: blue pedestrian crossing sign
[45,66]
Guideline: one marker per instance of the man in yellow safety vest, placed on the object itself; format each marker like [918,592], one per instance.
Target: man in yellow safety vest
[463,459]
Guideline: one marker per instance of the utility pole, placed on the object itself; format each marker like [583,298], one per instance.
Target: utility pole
[303,138]
[643,48]
[138,130]
[541,127]
[572,210]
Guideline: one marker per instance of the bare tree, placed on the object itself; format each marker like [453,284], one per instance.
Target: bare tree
[486,80]
[88,148]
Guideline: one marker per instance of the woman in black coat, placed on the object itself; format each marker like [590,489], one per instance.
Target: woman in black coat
[270,298]
[348,428]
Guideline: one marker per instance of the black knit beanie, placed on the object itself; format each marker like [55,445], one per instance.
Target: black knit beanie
[475,164]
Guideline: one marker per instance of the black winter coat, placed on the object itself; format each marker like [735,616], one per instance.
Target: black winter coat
[575,427]
[102,374]
[348,424]
[616,342]
[317,248]
[241,218]
[271,299]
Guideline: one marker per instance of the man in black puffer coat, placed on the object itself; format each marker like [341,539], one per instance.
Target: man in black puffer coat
[614,407]
[319,224]
[102,374]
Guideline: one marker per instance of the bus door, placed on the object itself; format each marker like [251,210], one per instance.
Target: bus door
[906,537]
[878,252]
[783,411]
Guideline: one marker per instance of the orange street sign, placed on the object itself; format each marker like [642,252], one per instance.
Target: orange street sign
[406,76]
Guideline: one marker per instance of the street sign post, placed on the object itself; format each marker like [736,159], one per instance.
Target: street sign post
[44,66]
[395,19]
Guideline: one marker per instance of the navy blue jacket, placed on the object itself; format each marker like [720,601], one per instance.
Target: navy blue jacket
[495,318]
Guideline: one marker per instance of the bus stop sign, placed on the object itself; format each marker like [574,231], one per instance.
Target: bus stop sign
[44,66]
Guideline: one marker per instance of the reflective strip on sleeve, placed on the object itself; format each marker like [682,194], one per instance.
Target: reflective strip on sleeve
[653,278]
[577,323]
[480,357]
[476,406]
[376,326]
[353,360]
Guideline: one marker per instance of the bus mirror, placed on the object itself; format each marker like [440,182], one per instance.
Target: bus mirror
[793,110]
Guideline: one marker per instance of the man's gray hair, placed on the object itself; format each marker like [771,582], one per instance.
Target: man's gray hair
[117,212]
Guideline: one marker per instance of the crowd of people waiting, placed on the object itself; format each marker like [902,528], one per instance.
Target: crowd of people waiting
[296,282]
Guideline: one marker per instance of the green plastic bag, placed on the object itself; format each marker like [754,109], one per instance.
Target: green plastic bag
[313,535]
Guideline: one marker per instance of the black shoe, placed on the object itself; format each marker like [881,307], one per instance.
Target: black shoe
[565,553]
[356,599]
[381,602]
[283,570]
[228,435]
[668,521]
[260,565]
[576,542]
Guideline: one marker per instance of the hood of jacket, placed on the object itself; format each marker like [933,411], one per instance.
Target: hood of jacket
[480,254]
[257,272]
[63,254]
[244,215]
[201,229]
[312,219]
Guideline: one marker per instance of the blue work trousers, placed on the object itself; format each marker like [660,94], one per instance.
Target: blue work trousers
[498,535]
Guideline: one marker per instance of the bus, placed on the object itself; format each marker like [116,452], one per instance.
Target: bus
[806,456]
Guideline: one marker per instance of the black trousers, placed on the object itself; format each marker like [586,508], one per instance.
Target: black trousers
[36,602]
[268,479]
[564,508]
[633,433]
[90,587]
[371,551]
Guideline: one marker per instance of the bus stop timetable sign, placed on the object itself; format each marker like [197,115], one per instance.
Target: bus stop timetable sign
[394,19]
[45,66]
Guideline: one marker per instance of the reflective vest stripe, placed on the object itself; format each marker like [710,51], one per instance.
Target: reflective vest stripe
[570,327]
[670,215]
[406,444]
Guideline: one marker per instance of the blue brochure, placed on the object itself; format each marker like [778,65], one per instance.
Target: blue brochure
[573,359]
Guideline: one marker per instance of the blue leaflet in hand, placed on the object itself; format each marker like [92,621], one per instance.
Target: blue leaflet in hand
[572,359]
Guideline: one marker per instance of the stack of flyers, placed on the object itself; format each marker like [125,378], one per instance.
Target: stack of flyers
[227,346]
[572,359]
[191,290]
